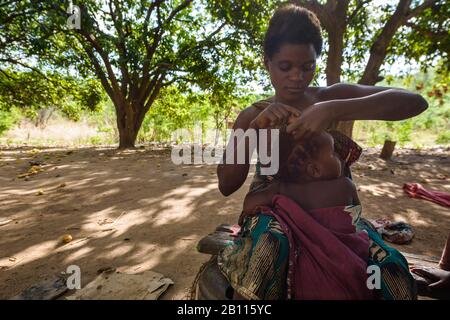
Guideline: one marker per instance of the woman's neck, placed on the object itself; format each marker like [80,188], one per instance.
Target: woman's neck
[300,102]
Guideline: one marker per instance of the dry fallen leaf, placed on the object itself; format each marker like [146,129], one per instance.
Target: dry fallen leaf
[31,171]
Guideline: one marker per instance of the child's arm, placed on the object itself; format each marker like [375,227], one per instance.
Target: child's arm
[261,197]
[354,192]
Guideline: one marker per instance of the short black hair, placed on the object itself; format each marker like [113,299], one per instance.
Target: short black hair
[292,24]
[295,154]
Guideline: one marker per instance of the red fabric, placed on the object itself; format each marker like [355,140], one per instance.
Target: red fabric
[415,190]
[327,256]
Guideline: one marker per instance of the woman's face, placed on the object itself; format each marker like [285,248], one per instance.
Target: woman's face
[291,70]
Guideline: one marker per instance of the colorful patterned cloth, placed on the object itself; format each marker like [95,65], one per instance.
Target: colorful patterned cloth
[256,264]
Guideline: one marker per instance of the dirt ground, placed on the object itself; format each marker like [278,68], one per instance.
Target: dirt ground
[136,210]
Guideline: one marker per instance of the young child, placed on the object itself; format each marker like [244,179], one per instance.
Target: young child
[317,206]
[312,176]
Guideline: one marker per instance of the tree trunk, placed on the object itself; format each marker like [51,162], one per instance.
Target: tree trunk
[333,70]
[346,127]
[335,59]
[127,137]
[335,22]
[388,150]
[126,125]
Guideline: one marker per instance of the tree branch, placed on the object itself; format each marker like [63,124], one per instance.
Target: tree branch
[148,88]
[317,8]
[39,72]
[4,4]
[98,71]
[150,50]
[156,88]
[419,9]
[20,63]
[175,79]
[13,16]
[7,75]
[428,33]
[147,19]
[118,24]
[93,41]
[155,91]
[361,3]
[378,49]
[200,43]
[158,33]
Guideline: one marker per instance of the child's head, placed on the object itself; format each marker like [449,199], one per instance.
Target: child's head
[312,158]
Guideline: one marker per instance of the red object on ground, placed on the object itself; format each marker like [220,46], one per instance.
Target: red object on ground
[415,190]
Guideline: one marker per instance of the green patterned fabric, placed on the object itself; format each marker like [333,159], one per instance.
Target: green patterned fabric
[256,263]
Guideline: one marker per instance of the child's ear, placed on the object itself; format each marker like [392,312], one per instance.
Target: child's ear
[313,170]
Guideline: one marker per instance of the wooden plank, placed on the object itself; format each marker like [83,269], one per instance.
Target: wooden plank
[418,259]
[213,243]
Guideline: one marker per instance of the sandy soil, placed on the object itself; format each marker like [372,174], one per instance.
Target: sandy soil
[136,210]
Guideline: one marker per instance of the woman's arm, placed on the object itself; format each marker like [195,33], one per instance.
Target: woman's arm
[261,198]
[390,105]
[349,91]
[380,104]
[232,176]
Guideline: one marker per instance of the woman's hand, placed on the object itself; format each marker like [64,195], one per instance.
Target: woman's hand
[276,113]
[315,118]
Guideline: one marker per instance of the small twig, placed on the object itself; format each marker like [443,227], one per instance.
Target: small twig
[119,217]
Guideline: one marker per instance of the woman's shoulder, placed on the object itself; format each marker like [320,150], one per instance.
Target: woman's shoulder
[256,107]
[252,111]
[262,104]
